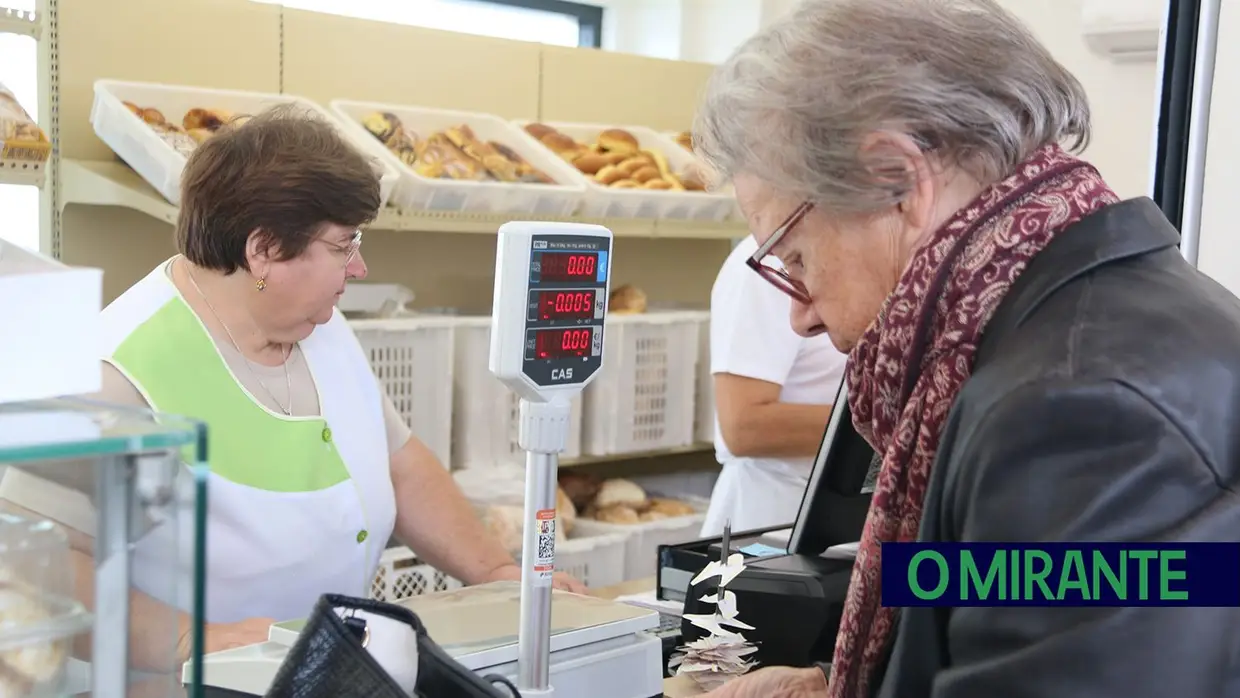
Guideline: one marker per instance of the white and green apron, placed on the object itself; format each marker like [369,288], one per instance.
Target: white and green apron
[297,506]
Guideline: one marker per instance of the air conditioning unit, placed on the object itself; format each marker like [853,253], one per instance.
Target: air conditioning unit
[1125,31]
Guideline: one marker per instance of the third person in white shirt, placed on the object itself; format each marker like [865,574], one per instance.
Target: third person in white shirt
[773,393]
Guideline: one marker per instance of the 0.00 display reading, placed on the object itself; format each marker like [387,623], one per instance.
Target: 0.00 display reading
[558,344]
[566,305]
[567,266]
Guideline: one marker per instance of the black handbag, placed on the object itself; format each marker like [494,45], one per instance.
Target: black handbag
[330,660]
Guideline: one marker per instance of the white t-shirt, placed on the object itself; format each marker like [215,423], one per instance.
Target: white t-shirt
[751,336]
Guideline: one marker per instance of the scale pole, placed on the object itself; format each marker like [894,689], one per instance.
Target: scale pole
[534,656]
[543,433]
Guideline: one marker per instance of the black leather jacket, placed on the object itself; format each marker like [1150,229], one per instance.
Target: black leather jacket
[1104,406]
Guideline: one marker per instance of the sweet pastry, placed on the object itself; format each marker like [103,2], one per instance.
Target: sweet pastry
[17,126]
[453,153]
[627,300]
[617,160]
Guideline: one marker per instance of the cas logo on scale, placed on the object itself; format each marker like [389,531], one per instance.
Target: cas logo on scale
[561,374]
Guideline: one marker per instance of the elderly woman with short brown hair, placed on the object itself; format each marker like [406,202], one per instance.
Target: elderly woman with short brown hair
[1029,355]
[312,469]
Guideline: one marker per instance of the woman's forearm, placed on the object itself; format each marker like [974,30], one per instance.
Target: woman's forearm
[159,635]
[775,430]
[435,520]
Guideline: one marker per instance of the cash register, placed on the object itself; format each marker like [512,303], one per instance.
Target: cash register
[793,595]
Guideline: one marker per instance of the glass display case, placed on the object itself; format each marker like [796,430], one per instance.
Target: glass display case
[102,550]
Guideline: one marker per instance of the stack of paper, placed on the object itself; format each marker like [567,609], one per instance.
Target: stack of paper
[721,655]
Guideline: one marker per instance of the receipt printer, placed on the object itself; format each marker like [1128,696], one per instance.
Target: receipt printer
[794,602]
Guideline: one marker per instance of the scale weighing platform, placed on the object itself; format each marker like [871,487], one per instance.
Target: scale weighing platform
[598,648]
[549,306]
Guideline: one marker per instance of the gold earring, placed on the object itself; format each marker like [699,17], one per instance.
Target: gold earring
[260,284]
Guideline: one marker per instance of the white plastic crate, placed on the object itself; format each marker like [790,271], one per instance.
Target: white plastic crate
[415,192]
[642,540]
[158,162]
[704,422]
[643,399]
[412,358]
[607,202]
[487,418]
[401,575]
[597,560]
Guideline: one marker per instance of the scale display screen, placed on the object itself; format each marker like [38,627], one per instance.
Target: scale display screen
[564,343]
[570,266]
[567,304]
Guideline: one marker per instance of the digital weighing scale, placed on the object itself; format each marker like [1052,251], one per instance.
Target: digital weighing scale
[551,292]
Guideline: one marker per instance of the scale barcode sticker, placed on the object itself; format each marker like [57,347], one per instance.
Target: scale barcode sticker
[544,562]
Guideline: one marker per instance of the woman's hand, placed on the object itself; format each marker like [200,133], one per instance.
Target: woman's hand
[559,580]
[227,636]
[775,682]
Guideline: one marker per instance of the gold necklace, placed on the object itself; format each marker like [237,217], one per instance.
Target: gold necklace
[288,378]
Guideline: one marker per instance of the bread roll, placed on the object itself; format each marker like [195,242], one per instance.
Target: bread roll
[619,491]
[609,175]
[210,119]
[152,117]
[646,173]
[659,184]
[618,141]
[626,300]
[538,130]
[507,524]
[580,488]
[685,140]
[652,515]
[590,163]
[617,514]
[626,184]
[671,507]
[562,145]
[565,510]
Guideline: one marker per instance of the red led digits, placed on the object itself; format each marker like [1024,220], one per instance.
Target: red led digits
[566,305]
[561,343]
[567,266]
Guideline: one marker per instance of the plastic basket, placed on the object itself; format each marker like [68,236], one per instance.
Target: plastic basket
[704,421]
[487,414]
[158,162]
[607,202]
[401,575]
[643,399]
[415,192]
[642,540]
[412,358]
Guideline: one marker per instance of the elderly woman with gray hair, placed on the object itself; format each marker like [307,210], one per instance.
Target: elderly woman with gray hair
[1030,356]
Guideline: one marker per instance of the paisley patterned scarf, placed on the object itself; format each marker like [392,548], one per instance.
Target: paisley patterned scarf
[906,371]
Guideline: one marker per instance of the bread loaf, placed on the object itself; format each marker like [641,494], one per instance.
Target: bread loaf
[627,300]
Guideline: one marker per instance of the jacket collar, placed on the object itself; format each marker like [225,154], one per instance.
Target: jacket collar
[1128,229]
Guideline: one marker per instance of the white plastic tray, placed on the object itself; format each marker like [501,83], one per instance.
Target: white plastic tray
[606,202]
[159,163]
[415,192]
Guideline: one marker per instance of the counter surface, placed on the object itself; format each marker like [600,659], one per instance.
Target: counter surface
[677,686]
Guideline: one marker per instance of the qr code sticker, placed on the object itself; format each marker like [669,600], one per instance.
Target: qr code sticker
[546,540]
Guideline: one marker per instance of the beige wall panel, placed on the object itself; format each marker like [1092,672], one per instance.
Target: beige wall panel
[124,243]
[328,57]
[230,44]
[591,86]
